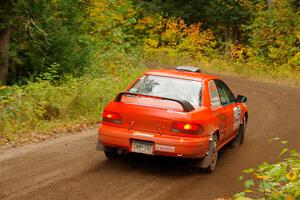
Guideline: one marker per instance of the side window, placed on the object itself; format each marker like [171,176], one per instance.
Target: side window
[214,96]
[226,96]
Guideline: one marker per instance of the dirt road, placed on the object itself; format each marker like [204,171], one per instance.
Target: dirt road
[70,168]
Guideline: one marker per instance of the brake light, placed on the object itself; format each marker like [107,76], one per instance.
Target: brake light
[182,127]
[112,117]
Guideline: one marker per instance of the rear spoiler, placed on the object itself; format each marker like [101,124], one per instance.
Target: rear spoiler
[187,106]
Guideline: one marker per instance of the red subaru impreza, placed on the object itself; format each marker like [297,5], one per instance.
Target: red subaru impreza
[179,113]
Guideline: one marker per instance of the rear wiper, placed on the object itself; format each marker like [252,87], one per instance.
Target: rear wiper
[187,106]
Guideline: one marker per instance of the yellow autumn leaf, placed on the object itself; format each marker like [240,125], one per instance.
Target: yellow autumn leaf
[261,177]
[292,175]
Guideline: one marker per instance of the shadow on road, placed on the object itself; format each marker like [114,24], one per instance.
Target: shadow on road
[168,167]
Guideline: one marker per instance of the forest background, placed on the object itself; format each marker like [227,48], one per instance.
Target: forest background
[63,60]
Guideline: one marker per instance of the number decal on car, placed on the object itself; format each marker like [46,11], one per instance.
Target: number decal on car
[237,117]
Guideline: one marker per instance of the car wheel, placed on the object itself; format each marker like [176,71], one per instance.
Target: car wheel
[212,154]
[110,154]
[239,139]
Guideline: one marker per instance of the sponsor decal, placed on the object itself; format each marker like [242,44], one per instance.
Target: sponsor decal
[237,117]
[160,147]
[142,134]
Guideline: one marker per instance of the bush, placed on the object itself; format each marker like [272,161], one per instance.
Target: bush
[279,181]
[274,35]
[174,33]
[45,105]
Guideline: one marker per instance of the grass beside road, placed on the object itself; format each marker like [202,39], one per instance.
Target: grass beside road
[34,111]
[252,71]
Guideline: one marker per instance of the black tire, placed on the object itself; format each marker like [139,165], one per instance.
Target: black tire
[212,154]
[110,154]
[239,139]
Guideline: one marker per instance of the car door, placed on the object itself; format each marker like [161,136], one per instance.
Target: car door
[218,110]
[229,109]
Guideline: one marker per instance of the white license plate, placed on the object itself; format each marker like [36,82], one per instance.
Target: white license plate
[142,147]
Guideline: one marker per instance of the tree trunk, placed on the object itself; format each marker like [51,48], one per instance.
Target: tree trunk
[236,33]
[227,31]
[4,54]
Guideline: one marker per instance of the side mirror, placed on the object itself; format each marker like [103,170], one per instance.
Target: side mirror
[241,99]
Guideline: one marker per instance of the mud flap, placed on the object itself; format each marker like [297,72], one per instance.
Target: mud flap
[204,163]
[99,146]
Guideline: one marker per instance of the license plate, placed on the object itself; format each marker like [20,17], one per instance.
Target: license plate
[142,147]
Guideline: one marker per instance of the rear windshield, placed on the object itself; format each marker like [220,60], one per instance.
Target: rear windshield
[167,87]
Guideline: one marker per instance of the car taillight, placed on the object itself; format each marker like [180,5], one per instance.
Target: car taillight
[182,127]
[112,117]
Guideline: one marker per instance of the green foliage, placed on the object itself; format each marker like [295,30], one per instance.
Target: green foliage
[112,24]
[273,181]
[47,32]
[73,33]
[224,18]
[174,37]
[44,105]
[274,36]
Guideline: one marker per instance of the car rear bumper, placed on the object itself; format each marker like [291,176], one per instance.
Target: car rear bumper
[166,145]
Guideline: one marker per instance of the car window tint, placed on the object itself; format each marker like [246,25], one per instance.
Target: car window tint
[168,87]
[226,96]
[214,96]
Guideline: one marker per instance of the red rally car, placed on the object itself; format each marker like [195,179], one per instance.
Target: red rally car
[179,113]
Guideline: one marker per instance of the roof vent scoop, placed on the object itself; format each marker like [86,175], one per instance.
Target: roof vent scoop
[188,69]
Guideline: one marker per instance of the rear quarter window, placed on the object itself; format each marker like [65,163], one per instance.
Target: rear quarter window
[214,95]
